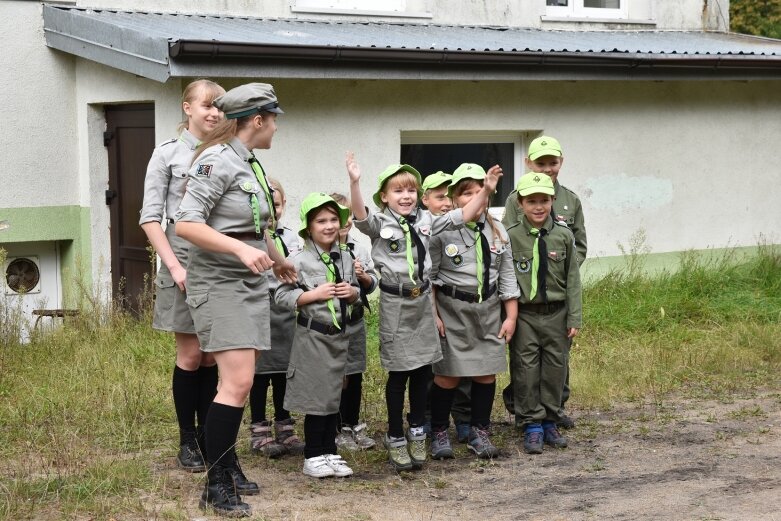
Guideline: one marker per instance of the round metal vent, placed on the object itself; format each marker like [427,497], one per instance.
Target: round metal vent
[22,275]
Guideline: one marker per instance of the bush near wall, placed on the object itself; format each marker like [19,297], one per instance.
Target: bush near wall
[757,17]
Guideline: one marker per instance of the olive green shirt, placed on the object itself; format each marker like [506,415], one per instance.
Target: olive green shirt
[563,278]
[566,208]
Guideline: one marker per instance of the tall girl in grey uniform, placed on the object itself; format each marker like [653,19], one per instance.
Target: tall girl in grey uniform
[195,373]
[224,214]
[327,297]
[351,433]
[408,336]
[271,368]
[473,272]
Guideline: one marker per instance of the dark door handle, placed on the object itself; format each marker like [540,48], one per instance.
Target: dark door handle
[110,196]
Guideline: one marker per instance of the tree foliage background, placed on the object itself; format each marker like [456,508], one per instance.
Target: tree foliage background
[758,17]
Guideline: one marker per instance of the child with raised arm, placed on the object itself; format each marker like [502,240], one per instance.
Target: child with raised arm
[409,343]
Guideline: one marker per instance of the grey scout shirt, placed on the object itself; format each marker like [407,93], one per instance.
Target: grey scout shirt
[166,177]
[389,246]
[566,208]
[454,260]
[563,279]
[219,189]
[311,274]
[362,254]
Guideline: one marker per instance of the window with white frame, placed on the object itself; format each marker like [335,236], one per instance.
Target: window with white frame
[587,8]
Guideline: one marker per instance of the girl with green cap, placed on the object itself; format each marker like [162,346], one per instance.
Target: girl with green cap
[473,272]
[328,300]
[409,344]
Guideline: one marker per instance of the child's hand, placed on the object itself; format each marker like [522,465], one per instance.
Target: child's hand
[353,170]
[325,291]
[344,290]
[440,326]
[285,272]
[508,330]
[572,332]
[492,178]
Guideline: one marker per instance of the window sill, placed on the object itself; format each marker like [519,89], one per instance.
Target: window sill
[360,12]
[573,19]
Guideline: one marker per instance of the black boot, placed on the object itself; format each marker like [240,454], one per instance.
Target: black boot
[189,457]
[220,495]
[243,486]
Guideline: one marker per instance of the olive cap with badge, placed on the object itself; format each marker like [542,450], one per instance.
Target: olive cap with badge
[465,171]
[248,99]
[544,146]
[390,172]
[436,180]
[314,201]
[534,183]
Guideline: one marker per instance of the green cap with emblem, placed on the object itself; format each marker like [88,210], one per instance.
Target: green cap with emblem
[248,99]
[534,183]
[390,172]
[436,180]
[314,201]
[544,146]
[465,171]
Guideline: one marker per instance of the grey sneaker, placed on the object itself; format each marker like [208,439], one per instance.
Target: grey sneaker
[440,445]
[345,440]
[532,439]
[553,437]
[363,440]
[417,446]
[397,452]
[480,443]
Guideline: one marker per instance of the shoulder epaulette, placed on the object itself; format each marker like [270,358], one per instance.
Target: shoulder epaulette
[513,225]
[168,142]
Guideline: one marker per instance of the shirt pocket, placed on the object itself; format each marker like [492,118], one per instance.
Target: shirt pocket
[522,261]
[395,243]
[177,185]
[496,254]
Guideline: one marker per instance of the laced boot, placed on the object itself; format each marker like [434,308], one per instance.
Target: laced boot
[189,457]
[220,495]
[286,435]
[262,441]
[243,486]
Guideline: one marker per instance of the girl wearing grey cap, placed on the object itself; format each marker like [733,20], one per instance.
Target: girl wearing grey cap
[225,214]
[195,373]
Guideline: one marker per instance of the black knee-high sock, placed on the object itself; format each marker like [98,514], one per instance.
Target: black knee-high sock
[418,395]
[222,427]
[279,386]
[184,386]
[257,397]
[207,390]
[329,440]
[441,403]
[394,400]
[482,403]
[350,406]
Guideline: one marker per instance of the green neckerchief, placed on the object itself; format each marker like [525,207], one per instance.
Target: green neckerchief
[281,248]
[408,236]
[479,254]
[330,276]
[260,175]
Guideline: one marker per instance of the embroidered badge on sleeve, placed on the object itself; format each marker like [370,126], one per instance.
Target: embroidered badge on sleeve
[204,170]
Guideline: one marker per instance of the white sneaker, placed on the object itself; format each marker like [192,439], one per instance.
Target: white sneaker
[338,466]
[318,467]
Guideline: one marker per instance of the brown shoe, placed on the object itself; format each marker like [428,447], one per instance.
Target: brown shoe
[262,441]
[286,436]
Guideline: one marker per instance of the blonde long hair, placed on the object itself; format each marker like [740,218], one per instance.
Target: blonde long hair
[193,89]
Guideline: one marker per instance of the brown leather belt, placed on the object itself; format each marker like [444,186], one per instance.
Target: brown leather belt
[542,308]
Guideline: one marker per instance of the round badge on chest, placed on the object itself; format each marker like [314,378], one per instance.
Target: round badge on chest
[458,260]
[386,233]
[451,250]
[523,266]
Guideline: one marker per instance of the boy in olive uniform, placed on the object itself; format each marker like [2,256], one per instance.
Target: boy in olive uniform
[549,312]
[545,157]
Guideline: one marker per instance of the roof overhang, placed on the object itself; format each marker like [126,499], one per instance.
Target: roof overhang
[161,46]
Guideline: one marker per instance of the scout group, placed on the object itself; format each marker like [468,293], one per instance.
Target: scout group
[268,306]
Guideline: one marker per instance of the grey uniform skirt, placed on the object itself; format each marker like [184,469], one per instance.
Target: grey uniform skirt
[171,312]
[356,355]
[229,303]
[470,346]
[316,372]
[283,323]
[408,332]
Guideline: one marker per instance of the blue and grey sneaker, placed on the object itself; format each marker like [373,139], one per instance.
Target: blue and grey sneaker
[552,436]
[532,439]
[480,443]
[462,432]
[440,445]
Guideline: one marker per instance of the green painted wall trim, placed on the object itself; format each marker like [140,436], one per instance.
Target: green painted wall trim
[70,225]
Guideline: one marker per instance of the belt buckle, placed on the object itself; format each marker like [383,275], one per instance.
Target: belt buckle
[414,292]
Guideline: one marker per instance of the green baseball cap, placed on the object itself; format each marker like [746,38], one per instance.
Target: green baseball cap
[544,146]
[465,171]
[390,172]
[314,201]
[534,183]
[248,99]
[436,180]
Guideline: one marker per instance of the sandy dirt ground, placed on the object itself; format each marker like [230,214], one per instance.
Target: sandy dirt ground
[684,460]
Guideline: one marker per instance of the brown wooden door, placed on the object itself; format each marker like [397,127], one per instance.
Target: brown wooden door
[130,140]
